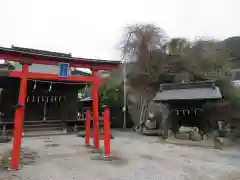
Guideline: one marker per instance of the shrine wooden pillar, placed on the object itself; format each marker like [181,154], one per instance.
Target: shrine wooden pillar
[19,118]
[95,109]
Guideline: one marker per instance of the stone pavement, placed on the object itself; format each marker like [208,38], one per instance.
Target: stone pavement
[139,158]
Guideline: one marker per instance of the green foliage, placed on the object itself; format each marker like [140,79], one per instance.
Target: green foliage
[111,95]
[232,45]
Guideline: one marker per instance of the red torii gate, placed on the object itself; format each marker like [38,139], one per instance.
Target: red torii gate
[29,56]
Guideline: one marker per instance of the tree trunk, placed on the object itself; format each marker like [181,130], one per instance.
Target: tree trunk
[166,121]
[137,107]
[143,116]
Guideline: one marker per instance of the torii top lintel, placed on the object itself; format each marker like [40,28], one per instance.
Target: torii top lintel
[33,56]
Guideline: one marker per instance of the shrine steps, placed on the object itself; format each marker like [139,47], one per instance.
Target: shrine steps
[43,125]
[44,133]
[48,127]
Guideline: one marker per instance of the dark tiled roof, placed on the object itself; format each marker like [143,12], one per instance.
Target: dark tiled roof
[187,85]
[189,94]
[42,52]
[49,54]
[188,91]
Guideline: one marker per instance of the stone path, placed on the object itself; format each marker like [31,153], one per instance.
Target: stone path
[139,158]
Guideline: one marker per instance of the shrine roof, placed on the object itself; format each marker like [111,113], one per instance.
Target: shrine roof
[36,54]
[188,91]
[41,52]
[187,85]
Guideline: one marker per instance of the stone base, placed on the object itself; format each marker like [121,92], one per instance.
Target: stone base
[82,134]
[27,157]
[109,158]
[104,158]
[88,146]
[220,143]
[182,136]
[95,151]
[19,168]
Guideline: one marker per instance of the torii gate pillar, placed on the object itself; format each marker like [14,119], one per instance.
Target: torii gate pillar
[19,118]
[95,109]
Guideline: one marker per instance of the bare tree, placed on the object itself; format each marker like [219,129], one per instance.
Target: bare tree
[144,51]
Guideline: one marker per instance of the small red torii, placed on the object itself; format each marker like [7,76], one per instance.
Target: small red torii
[31,56]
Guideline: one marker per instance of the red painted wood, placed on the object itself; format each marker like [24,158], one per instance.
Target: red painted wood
[45,76]
[19,118]
[95,110]
[107,132]
[101,137]
[88,127]
[74,62]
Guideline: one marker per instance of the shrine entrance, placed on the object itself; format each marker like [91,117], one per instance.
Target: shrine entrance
[48,100]
[186,102]
[50,60]
[188,112]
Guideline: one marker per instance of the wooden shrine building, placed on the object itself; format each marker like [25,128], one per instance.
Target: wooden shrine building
[44,88]
[186,101]
[50,104]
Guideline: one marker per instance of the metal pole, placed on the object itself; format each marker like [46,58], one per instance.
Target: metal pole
[124,96]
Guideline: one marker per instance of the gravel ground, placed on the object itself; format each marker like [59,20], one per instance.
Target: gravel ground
[139,158]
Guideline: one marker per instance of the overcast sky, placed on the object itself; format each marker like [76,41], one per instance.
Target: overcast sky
[93,28]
